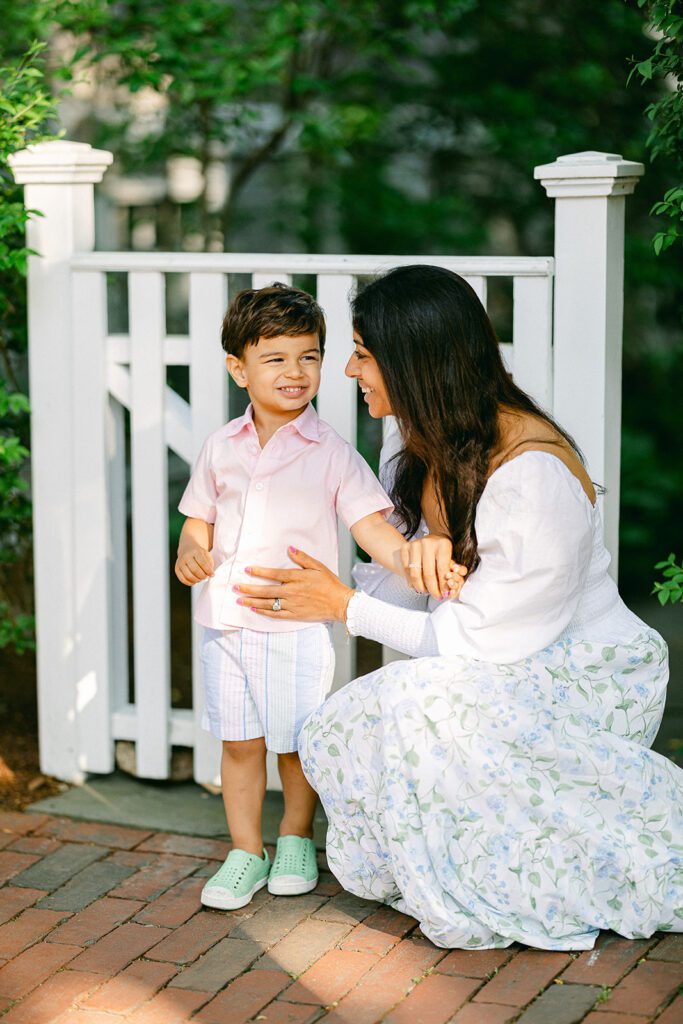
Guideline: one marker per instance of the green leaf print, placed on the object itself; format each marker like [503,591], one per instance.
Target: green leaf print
[340,775]
[412,758]
[534,783]
[646,839]
[536,800]
[609,653]
[534,877]
[333,750]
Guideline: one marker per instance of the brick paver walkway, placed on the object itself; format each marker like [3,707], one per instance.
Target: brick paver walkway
[103,924]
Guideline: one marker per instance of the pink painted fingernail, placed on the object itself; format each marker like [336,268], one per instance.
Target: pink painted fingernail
[291,549]
[248,569]
[236,589]
[239,600]
[446,593]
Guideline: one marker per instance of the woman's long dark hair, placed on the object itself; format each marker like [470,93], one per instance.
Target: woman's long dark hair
[446,381]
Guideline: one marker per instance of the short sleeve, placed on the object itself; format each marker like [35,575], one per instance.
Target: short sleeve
[534,528]
[359,492]
[199,498]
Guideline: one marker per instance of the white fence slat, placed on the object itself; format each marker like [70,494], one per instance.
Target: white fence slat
[208,398]
[532,338]
[91,584]
[150,524]
[117,553]
[478,283]
[337,406]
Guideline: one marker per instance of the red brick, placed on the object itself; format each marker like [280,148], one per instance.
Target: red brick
[39,845]
[301,947]
[32,967]
[386,983]
[475,963]
[116,836]
[224,961]
[433,1001]
[327,884]
[670,948]
[14,821]
[673,1013]
[645,988]
[601,1017]
[131,988]
[172,1006]
[155,878]
[525,975]
[190,846]
[175,906]
[379,932]
[14,899]
[95,921]
[331,977]
[55,996]
[12,863]
[346,908]
[482,1013]
[5,839]
[608,962]
[289,1013]
[192,939]
[131,858]
[244,997]
[85,1017]
[116,950]
[26,929]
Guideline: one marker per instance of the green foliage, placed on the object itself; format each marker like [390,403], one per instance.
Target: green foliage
[665,113]
[671,590]
[250,78]
[26,107]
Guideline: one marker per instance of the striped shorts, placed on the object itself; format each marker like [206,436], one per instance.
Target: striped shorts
[264,684]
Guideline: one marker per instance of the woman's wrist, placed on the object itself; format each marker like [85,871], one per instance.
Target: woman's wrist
[344,604]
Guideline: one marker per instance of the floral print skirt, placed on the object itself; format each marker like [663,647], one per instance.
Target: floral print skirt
[503,803]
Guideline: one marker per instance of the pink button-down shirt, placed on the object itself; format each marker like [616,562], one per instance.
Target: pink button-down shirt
[261,500]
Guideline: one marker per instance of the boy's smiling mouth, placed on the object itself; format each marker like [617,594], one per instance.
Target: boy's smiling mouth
[293,390]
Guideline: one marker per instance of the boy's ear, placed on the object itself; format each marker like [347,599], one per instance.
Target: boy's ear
[236,370]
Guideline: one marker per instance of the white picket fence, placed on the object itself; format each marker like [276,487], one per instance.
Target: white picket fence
[83,377]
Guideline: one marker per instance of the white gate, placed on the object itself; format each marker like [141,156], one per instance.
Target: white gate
[83,377]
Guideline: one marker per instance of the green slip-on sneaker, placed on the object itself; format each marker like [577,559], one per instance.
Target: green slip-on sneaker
[295,868]
[240,876]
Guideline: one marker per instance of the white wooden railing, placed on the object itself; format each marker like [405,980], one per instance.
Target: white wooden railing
[83,377]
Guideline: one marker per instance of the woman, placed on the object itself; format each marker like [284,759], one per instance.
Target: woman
[499,787]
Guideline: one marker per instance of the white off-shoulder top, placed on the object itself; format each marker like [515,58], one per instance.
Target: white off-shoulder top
[542,577]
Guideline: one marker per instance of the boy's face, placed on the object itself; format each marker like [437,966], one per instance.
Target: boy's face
[281,374]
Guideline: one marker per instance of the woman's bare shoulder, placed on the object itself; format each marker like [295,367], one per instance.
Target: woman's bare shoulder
[524,432]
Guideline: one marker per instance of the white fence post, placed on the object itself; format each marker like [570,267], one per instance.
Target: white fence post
[589,190]
[58,179]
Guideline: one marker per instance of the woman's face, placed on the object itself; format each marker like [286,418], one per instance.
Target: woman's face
[363,367]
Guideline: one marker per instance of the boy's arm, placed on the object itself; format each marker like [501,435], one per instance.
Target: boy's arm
[194,562]
[426,564]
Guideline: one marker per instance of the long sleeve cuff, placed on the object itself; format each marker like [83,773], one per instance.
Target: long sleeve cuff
[406,630]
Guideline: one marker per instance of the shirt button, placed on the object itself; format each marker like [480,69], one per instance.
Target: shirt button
[258,486]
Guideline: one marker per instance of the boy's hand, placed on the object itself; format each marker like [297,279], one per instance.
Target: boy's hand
[193,565]
[429,567]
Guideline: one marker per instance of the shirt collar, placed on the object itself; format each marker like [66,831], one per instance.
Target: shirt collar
[307,423]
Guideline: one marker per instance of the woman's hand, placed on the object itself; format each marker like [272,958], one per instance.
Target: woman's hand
[311,594]
[429,567]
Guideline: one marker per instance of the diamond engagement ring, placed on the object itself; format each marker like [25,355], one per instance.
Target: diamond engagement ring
[277,605]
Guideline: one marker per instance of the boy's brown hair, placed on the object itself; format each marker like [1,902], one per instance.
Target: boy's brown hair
[269,312]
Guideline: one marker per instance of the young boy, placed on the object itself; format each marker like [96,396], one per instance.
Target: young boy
[273,478]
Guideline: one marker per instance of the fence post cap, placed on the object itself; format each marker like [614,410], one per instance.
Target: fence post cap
[589,174]
[59,162]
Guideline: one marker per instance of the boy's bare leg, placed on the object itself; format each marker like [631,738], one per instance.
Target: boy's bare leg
[243,778]
[300,798]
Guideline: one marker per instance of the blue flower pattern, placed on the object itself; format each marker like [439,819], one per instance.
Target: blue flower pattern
[503,803]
